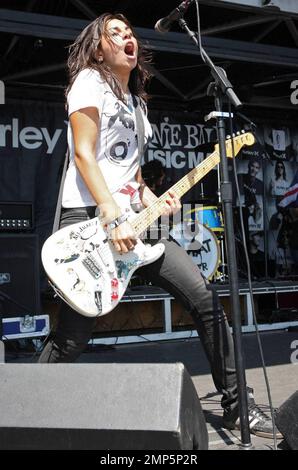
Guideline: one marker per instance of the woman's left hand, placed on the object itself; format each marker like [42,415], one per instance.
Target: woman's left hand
[173,204]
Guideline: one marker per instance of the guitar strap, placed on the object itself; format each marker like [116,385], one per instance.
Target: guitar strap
[140,125]
[141,143]
[59,200]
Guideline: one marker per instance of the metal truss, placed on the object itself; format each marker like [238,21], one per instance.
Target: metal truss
[20,23]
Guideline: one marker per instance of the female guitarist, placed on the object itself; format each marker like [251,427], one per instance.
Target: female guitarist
[107,71]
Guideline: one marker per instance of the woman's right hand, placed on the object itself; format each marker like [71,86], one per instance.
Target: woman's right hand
[123,236]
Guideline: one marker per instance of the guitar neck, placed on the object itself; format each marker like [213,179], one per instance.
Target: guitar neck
[151,213]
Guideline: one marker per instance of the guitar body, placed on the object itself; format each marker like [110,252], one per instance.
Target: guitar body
[87,272]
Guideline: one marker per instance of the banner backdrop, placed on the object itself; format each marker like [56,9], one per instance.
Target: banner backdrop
[265,173]
[180,142]
[32,151]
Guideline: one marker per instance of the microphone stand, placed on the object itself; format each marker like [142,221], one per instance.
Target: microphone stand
[219,88]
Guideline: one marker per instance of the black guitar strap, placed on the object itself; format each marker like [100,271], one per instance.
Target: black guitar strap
[59,200]
[140,126]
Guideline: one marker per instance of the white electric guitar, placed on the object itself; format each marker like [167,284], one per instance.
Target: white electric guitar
[82,264]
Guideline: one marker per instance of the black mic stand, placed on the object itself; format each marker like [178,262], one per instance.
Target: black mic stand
[220,87]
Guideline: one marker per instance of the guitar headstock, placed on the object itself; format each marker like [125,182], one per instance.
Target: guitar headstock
[239,140]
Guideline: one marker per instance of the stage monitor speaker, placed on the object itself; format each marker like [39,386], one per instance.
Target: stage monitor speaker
[287,420]
[19,275]
[100,407]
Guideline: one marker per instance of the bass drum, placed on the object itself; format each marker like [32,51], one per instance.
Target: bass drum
[210,216]
[201,244]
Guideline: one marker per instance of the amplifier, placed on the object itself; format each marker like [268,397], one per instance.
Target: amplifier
[16,216]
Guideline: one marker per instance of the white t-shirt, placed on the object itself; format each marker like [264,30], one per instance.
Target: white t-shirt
[117,144]
[278,187]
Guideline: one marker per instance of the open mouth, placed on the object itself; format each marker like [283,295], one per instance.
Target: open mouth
[130,49]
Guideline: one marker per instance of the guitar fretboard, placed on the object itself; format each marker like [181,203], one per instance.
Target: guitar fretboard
[150,214]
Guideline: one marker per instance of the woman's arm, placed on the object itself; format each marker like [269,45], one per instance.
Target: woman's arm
[146,195]
[271,187]
[85,128]
[85,124]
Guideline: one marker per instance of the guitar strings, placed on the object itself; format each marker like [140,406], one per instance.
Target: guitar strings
[150,214]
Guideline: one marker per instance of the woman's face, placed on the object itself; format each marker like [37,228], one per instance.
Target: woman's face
[280,168]
[120,50]
[251,208]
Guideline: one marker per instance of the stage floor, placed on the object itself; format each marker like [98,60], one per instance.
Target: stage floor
[283,374]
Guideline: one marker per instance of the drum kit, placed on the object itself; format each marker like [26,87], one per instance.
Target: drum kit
[201,235]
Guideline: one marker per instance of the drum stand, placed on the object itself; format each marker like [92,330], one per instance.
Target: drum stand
[223,275]
[219,88]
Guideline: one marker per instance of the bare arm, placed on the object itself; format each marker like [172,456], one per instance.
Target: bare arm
[146,195]
[85,128]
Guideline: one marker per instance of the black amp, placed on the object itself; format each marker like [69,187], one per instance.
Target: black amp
[16,216]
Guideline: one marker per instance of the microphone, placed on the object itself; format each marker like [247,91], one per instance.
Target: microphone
[164,24]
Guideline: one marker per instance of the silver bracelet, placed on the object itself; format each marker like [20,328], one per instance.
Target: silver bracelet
[118,221]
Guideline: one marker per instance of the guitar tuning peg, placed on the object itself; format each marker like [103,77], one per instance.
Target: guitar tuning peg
[234,135]
[243,131]
[238,133]
[228,136]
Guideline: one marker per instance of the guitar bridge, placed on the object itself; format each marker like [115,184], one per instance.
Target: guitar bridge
[92,265]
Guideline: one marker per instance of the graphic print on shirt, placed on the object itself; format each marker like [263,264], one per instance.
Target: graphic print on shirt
[118,151]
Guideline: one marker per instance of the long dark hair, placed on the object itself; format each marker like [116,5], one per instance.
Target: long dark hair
[83,53]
